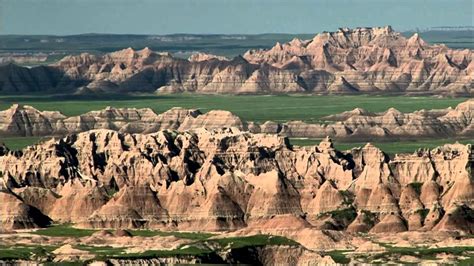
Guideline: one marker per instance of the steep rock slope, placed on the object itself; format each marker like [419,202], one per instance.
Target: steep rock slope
[15,214]
[225,179]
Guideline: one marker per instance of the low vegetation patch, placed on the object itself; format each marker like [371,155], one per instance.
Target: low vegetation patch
[102,251]
[256,240]
[466,212]
[198,248]
[348,196]
[64,230]
[417,187]
[19,143]
[185,235]
[67,230]
[425,253]
[369,218]
[182,251]
[25,252]
[423,213]
[346,215]
[338,256]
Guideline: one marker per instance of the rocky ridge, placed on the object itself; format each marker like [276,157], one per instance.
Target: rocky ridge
[356,124]
[225,179]
[361,60]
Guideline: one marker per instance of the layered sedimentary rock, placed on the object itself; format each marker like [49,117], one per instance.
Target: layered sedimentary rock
[355,124]
[372,59]
[15,214]
[198,57]
[225,179]
[28,121]
[422,123]
[362,60]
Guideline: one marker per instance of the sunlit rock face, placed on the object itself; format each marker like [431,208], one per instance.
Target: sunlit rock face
[371,60]
[226,179]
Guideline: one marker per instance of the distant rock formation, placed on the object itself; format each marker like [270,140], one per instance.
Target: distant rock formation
[225,179]
[362,60]
[23,58]
[356,124]
[372,60]
[198,57]
[28,121]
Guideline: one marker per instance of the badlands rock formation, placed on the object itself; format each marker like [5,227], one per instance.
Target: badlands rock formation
[199,57]
[355,124]
[362,60]
[28,121]
[372,59]
[225,179]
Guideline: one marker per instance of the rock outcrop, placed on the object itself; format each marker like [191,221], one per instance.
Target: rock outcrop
[198,57]
[226,179]
[361,60]
[355,124]
[28,121]
[69,253]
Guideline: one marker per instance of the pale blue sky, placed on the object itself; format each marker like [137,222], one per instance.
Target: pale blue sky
[65,17]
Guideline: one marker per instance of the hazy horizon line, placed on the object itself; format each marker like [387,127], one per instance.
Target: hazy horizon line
[433,28]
